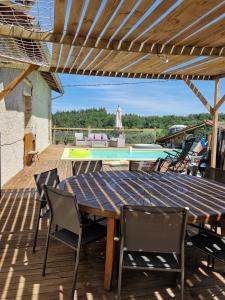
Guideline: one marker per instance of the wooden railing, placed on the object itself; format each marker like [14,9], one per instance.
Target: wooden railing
[133,135]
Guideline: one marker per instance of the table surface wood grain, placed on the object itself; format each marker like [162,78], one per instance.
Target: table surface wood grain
[103,193]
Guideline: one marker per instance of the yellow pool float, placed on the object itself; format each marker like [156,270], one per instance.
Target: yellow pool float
[79,153]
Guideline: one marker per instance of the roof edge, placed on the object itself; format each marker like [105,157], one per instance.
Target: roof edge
[51,78]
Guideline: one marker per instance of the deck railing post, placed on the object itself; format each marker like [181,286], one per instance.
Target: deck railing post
[53,134]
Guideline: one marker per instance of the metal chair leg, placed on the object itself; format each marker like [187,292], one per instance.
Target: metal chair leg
[75,270]
[213,263]
[46,254]
[117,252]
[36,230]
[119,282]
[208,261]
[182,286]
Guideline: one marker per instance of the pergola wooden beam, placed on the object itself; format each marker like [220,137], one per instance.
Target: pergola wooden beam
[116,45]
[10,87]
[199,95]
[126,75]
[165,76]
[219,103]
[220,76]
[215,125]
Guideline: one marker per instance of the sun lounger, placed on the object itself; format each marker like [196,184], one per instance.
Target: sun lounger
[176,162]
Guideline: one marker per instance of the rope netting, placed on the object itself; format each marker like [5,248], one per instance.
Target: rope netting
[24,51]
[32,15]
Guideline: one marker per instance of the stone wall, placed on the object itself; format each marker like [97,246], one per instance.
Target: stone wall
[12,120]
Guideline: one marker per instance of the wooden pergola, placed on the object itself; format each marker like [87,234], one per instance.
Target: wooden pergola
[151,39]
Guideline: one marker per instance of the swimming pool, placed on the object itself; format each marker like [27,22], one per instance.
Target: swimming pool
[113,154]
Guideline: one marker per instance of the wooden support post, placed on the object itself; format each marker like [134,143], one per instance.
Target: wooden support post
[109,253]
[213,111]
[10,87]
[215,125]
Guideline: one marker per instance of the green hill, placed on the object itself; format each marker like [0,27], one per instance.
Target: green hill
[99,118]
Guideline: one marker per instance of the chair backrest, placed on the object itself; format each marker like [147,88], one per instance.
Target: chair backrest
[83,167]
[79,135]
[187,147]
[146,166]
[104,137]
[91,136]
[64,209]
[98,136]
[49,178]
[153,229]
[215,174]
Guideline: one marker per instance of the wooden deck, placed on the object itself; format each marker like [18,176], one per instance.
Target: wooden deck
[20,269]
[49,159]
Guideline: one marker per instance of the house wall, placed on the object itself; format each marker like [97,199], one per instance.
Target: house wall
[41,110]
[12,120]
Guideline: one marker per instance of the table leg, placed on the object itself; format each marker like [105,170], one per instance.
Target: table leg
[222,222]
[109,253]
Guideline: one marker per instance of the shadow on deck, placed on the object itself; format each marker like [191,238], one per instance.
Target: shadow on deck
[20,268]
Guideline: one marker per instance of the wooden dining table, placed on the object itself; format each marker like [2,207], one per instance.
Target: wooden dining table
[103,193]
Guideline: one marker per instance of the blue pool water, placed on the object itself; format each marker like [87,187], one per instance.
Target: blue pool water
[116,154]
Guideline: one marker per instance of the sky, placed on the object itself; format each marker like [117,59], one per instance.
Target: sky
[155,97]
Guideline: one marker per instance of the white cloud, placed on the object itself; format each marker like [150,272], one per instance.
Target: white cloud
[157,98]
[97,87]
[148,102]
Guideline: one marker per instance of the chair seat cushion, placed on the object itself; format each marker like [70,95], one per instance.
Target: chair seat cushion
[210,243]
[90,233]
[93,232]
[146,260]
